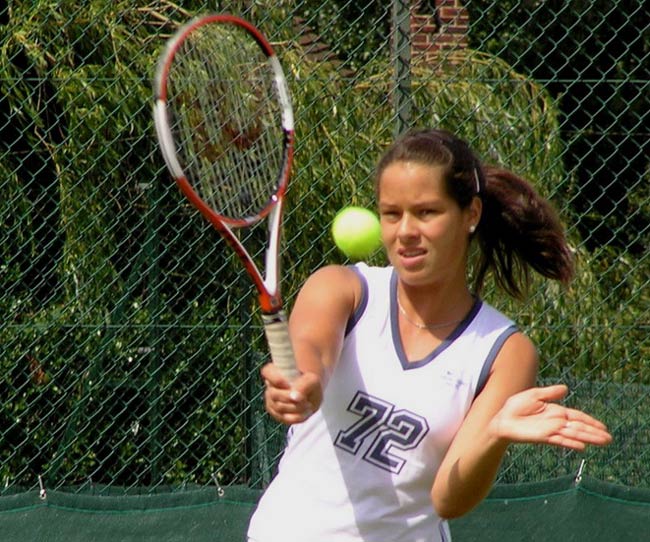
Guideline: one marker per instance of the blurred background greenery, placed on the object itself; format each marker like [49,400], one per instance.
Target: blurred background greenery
[130,343]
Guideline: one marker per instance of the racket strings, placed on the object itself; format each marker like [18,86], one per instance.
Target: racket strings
[227,120]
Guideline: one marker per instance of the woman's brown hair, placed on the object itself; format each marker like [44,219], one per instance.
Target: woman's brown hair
[519,230]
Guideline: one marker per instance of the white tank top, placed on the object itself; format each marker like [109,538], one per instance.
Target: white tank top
[362,467]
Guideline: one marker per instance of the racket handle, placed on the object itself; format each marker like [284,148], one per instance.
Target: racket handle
[277,335]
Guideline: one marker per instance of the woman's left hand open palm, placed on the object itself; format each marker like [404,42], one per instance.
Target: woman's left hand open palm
[534,416]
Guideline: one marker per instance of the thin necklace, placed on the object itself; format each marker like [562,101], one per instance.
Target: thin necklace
[425,326]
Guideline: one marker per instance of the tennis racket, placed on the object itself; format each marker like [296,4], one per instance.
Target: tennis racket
[225,126]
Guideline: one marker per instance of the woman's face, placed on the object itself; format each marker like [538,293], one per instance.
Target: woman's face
[425,232]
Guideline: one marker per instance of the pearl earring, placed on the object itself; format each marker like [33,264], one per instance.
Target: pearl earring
[472,228]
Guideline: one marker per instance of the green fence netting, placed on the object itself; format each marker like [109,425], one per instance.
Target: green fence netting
[130,343]
[98,515]
[558,509]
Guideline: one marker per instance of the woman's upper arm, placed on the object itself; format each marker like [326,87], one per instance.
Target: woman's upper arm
[471,462]
[320,315]
[514,370]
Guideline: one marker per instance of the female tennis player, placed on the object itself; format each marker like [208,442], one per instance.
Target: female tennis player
[412,387]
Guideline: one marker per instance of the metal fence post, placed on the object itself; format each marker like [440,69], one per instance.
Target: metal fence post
[402,64]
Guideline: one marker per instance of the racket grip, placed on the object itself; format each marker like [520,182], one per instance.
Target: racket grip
[277,335]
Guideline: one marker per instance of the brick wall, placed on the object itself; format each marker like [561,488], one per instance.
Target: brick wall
[444,30]
[431,34]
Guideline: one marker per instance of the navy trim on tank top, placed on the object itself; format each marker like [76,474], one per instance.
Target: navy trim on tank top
[492,355]
[363,302]
[397,342]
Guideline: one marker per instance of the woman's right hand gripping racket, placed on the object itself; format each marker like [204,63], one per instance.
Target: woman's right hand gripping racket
[224,122]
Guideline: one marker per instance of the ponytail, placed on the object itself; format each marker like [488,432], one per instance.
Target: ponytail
[519,230]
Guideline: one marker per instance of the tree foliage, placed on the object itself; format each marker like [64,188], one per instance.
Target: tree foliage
[130,343]
[595,57]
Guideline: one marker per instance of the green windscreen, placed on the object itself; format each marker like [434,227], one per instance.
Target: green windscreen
[554,510]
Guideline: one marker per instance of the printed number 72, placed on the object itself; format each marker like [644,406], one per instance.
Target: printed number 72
[391,429]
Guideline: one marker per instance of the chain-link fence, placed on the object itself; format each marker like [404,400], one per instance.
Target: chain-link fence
[130,343]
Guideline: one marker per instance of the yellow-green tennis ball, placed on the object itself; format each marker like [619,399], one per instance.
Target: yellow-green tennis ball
[356,231]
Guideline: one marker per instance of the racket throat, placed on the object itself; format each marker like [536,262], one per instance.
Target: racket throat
[270,299]
[270,304]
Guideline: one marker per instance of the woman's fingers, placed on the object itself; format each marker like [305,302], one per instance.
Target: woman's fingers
[290,403]
[534,416]
[549,394]
[585,429]
[577,438]
[573,415]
